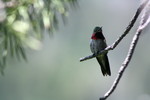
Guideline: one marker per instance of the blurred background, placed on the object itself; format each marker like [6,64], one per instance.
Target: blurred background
[55,73]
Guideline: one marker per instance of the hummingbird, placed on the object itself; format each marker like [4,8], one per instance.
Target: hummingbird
[97,44]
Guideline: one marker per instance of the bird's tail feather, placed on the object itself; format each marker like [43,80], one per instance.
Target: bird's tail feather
[104,63]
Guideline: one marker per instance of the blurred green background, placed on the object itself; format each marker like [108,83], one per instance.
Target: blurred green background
[55,73]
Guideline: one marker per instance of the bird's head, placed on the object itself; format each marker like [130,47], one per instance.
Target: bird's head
[97,29]
[97,33]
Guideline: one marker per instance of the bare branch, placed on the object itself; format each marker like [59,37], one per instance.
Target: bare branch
[139,10]
[145,20]
[124,64]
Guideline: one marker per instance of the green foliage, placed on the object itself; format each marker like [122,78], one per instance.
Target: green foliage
[24,23]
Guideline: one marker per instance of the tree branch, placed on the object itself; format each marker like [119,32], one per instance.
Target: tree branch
[124,65]
[145,20]
[111,47]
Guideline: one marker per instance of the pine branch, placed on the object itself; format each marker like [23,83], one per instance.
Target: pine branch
[24,22]
[12,3]
[127,30]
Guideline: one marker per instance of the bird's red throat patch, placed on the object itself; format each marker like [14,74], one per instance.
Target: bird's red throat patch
[94,36]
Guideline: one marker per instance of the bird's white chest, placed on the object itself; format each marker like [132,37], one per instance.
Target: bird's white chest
[97,45]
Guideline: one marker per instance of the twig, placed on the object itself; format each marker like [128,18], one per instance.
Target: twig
[144,22]
[139,10]
[124,65]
